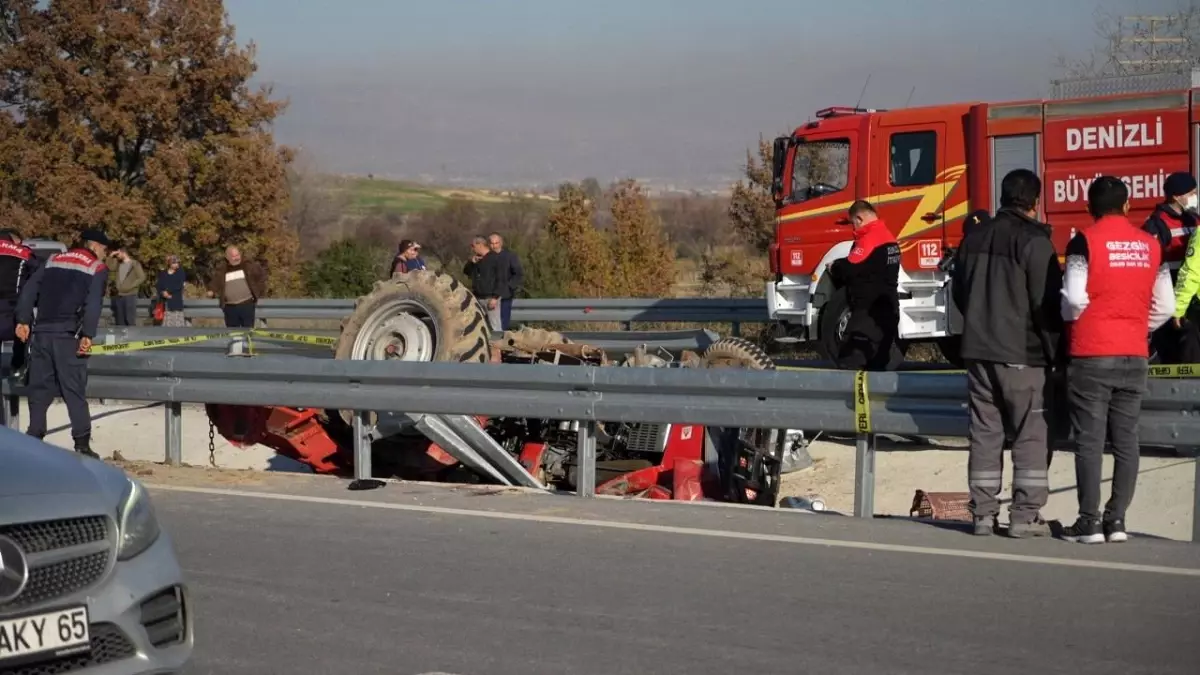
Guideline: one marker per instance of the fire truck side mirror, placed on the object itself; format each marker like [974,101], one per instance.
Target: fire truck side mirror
[778,162]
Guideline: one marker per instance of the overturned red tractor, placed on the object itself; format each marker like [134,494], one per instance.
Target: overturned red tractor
[426,316]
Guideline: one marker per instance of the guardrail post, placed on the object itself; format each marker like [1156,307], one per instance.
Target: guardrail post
[627,325]
[585,485]
[864,476]
[1196,503]
[363,471]
[737,329]
[174,432]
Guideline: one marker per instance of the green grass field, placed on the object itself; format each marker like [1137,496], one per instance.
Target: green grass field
[378,197]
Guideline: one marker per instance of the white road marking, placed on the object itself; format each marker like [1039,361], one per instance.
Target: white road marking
[693,531]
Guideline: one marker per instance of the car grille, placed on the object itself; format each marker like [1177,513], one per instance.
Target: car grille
[109,644]
[49,535]
[64,577]
[164,619]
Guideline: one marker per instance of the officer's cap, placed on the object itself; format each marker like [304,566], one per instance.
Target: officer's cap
[1178,184]
[98,236]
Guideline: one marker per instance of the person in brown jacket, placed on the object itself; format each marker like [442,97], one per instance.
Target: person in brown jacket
[237,285]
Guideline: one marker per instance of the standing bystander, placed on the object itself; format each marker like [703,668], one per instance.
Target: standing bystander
[126,282]
[510,278]
[1172,223]
[1116,289]
[238,285]
[1006,282]
[170,291]
[481,270]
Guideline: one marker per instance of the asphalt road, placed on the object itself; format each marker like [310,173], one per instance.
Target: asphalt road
[418,579]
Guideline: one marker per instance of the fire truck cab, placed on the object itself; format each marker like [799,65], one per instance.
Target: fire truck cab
[925,169]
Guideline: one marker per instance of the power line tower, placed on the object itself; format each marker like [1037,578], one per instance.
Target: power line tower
[1155,44]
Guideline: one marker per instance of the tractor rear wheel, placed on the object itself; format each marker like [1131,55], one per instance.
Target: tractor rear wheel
[415,316]
[736,353]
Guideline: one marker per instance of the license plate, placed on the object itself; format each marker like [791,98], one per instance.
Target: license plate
[50,634]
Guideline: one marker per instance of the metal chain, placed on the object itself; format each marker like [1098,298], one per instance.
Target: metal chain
[212,446]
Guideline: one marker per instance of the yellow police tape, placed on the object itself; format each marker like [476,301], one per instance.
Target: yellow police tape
[862,407]
[140,345]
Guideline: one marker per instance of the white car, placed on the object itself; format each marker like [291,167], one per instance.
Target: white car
[89,582]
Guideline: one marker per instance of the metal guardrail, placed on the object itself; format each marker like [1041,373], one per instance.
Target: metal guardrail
[614,343]
[927,404]
[559,310]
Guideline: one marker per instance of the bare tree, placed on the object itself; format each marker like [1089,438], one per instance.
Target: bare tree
[1132,45]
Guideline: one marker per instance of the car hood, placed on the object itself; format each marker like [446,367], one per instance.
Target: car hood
[31,467]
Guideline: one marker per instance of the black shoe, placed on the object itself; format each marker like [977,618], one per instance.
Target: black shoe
[1084,532]
[1114,531]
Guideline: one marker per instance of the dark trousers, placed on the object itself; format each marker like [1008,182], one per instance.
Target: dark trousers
[1008,401]
[239,316]
[124,309]
[56,369]
[1106,400]
[505,312]
[861,352]
[8,333]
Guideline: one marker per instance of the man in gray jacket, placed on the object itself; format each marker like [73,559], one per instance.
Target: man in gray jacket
[1007,282]
[127,281]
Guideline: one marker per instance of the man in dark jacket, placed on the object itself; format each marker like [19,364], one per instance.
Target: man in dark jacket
[510,278]
[67,294]
[17,265]
[1007,283]
[870,275]
[482,270]
[1173,223]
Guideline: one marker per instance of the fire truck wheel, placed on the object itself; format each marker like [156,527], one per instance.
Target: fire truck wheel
[831,325]
[736,353]
[415,316]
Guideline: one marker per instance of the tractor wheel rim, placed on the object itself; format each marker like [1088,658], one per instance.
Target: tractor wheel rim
[399,331]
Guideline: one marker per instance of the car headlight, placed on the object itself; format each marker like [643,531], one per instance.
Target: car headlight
[138,525]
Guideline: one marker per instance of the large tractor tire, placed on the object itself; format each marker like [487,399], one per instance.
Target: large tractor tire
[415,316]
[736,353]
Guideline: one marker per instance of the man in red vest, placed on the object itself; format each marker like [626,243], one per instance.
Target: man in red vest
[1116,290]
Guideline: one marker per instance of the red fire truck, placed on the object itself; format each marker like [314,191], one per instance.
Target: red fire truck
[925,169]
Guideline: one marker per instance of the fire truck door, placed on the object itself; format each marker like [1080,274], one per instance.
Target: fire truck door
[916,184]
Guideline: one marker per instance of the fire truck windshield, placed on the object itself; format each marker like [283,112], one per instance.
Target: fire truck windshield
[820,168]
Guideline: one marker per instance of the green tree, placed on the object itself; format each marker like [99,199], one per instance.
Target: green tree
[347,269]
[645,259]
[546,264]
[136,116]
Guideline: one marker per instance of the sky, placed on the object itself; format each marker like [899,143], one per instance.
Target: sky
[674,91]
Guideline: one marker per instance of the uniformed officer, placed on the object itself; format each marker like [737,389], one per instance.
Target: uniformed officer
[17,265]
[870,274]
[68,293]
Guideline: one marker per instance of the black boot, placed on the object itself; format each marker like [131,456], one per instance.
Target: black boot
[83,445]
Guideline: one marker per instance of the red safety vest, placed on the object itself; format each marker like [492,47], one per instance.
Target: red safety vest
[1123,262]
